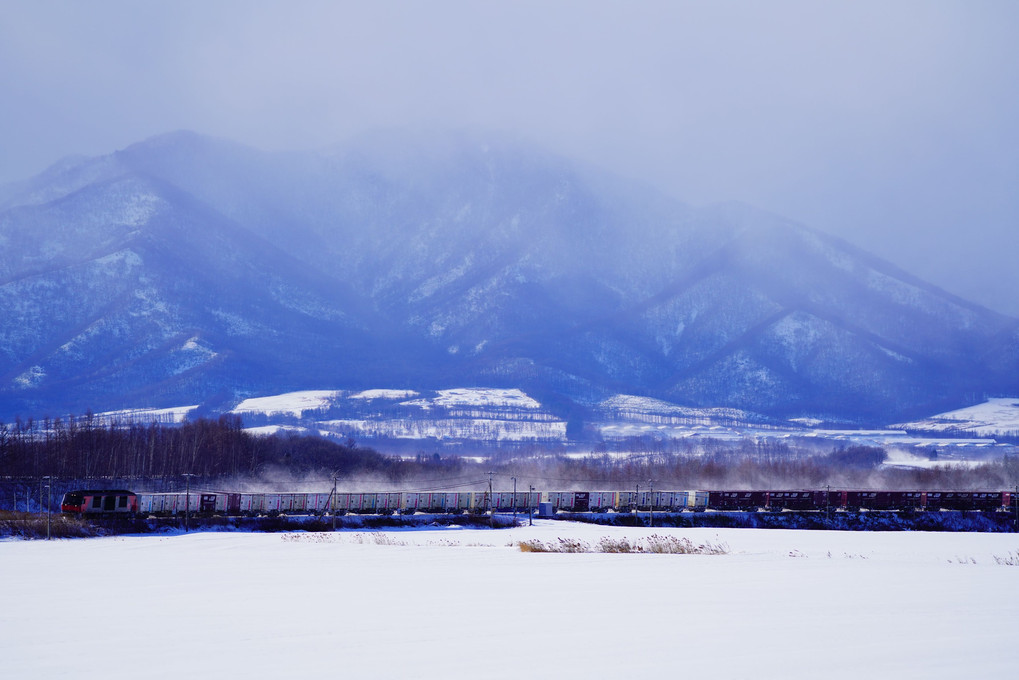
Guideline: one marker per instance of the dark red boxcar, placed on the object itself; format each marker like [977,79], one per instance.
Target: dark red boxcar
[796,500]
[885,500]
[737,500]
[967,500]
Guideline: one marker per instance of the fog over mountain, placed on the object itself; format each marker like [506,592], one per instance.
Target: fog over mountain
[188,269]
[891,125]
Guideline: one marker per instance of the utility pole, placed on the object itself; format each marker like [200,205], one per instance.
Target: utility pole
[332,500]
[514,500]
[651,504]
[187,501]
[636,505]
[530,490]
[49,503]
[491,505]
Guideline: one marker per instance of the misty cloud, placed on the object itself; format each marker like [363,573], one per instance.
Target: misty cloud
[892,126]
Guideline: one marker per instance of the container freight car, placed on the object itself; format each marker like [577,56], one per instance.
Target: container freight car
[580,501]
[520,501]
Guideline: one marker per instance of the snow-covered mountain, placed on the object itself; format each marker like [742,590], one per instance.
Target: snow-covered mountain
[191,270]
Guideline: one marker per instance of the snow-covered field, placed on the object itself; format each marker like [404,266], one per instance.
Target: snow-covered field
[292,403]
[479,396]
[489,415]
[470,429]
[466,603]
[145,416]
[993,417]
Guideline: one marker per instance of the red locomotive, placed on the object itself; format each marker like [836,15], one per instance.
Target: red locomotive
[100,502]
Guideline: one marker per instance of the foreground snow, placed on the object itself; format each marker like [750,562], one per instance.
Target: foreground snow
[466,603]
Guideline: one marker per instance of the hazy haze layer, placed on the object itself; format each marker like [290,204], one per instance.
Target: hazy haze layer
[892,126]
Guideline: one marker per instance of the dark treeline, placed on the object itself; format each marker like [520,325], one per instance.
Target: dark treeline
[82,449]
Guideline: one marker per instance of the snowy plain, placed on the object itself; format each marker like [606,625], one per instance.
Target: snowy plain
[484,414]
[992,417]
[440,603]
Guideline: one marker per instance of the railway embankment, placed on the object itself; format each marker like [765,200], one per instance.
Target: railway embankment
[34,526]
[965,521]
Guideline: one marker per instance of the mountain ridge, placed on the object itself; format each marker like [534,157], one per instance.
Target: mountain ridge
[203,270]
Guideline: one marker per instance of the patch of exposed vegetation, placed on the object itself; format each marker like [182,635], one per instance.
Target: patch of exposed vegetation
[34,525]
[1009,560]
[649,545]
[986,522]
[358,538]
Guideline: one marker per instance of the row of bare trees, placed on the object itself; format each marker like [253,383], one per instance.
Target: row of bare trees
[82,448]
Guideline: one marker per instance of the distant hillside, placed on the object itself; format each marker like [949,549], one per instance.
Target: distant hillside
[995,417]
[191,270]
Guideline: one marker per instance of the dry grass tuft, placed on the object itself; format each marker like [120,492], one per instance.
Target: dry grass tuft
[652,545]
[359,538]
[1009,560]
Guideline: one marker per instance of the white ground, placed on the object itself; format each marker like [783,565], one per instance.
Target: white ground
[293,403]
[464,603]
[903,458]
[266,430]
[478,396]
[384,394]
[145,416]
[632,417]
[994,416]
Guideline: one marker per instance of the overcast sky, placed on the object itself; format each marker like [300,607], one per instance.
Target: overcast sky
[892,124]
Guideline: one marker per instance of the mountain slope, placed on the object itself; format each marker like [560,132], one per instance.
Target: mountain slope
[188,268]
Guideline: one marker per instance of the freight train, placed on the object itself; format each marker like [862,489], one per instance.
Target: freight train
[122,502]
